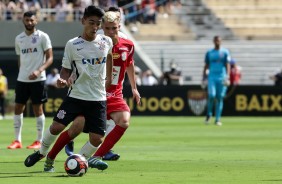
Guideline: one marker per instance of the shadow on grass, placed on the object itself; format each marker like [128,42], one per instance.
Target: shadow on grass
[28,174]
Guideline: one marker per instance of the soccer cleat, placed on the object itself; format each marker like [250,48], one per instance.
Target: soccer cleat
[218,123]
[95,162]
[34,145]
[69,148]
[207,120]
[15,145]
[33,159]
[49,165]
[111,156]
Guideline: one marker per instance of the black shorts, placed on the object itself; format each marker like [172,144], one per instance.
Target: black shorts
[33,90]
[94,113]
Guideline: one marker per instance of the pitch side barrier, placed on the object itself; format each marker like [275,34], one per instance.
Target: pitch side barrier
[190,101]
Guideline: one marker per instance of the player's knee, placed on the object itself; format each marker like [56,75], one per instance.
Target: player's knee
[79,119]
[96,140]
[75,129]
[56,128]
[124,123]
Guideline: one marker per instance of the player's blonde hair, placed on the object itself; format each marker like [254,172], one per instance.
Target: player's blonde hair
[111,17]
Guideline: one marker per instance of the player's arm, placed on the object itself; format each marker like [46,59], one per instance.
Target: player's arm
[64,76]
[19,61]
[206,67]
[109,70]
[175,77]
[49,60]
[131,76]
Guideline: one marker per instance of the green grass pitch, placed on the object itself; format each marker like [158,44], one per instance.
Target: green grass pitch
[165,150]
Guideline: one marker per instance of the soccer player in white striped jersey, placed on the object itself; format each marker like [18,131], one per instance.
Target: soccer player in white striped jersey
[35,55]
[89,56]
[110,123]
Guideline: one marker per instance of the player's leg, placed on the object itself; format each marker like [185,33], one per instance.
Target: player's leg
[38,95]
[211,98]
[2,106]
[40,122]
[220,93]
[95,123]
[22,95]
[110,155]
[48,138]
[68,110]
[64,138]
[122,122]
[119,112]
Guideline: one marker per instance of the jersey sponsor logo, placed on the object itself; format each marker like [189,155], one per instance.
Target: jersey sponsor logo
[197,101]
[94,61]
[79,42]
[116,55]
[124,56]
[29,50]
[110,94]
[116,72]
[123,48]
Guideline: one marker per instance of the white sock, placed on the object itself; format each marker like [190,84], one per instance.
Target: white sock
[40,122]
[88,150]
[110,126]
[18,123]
[48,139]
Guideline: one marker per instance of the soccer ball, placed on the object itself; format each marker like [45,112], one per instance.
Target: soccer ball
[76,165]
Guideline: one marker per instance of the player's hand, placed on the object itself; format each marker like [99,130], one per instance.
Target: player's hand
[226,82]
[136,96]
[204,84]
[34,75]
[61,83]
[71,79]
[108,84]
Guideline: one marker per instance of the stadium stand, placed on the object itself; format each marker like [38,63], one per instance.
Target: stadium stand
[258,59]
[196,15]
[249,19]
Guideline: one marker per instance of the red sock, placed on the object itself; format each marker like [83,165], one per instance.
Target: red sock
[111,139]
[62,140]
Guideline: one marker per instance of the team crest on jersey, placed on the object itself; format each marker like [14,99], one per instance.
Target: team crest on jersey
[33,40]
[197,100]
[116,55]
[61,114]
[102,45]
[124,56]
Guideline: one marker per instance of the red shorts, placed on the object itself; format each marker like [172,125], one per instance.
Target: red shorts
[115,104]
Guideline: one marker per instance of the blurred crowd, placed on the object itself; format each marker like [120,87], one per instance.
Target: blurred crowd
[143,11]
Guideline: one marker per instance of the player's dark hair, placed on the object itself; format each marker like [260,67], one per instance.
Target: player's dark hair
[216,37]
[114,9]
[29,14]
[93,11]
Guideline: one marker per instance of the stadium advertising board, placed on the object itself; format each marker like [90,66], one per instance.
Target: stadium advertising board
[190,101]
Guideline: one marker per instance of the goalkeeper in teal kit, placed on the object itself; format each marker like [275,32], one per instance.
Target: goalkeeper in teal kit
[216,72]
